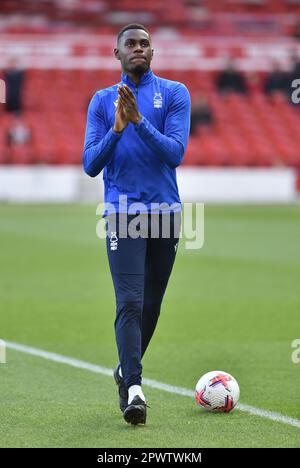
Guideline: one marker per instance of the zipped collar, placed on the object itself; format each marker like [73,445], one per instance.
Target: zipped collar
[145,79]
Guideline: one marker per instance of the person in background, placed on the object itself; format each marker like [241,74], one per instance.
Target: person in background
[276,81]
[18,142]
[201,113]
[293,74]
[14,80]
[230,80]
[296,33]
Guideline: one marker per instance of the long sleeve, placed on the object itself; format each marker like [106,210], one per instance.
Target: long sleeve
[99,143]
[171,145]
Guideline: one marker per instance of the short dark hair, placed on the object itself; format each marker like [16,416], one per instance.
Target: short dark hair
[132,26]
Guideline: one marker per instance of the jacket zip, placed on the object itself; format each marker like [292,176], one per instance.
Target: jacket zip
[136,90]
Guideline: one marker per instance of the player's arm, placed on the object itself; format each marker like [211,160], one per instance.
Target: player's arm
[169,146]
[100,143]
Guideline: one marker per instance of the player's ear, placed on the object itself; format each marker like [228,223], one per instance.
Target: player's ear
[152,52]
[116,52]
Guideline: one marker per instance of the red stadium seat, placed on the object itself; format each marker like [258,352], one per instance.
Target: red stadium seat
[247,131]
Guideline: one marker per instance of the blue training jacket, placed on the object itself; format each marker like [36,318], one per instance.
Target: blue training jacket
[140,161]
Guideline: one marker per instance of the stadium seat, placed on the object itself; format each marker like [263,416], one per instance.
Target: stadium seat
[247,131]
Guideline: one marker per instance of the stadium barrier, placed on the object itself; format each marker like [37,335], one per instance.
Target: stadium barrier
[68,184]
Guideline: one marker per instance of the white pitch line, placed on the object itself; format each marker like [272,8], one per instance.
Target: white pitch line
[149,382]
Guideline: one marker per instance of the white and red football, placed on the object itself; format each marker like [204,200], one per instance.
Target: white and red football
[217,391]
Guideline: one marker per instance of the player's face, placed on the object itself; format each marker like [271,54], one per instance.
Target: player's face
[134,51]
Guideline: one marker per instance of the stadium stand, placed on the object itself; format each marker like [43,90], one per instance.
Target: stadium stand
[251,130]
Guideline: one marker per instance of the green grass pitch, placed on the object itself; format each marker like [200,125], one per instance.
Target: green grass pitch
[234,305]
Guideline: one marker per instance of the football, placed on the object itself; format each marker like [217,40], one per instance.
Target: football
[217,391]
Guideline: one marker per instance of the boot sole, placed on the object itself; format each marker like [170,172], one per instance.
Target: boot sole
[135,414]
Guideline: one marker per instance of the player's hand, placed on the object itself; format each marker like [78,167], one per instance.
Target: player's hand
[121,119]
[129,104]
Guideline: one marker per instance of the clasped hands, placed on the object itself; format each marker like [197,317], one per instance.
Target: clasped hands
[126,110]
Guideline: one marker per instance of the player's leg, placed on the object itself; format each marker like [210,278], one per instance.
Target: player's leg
[154,290]
[129,299]
[127,261]
[160,257]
